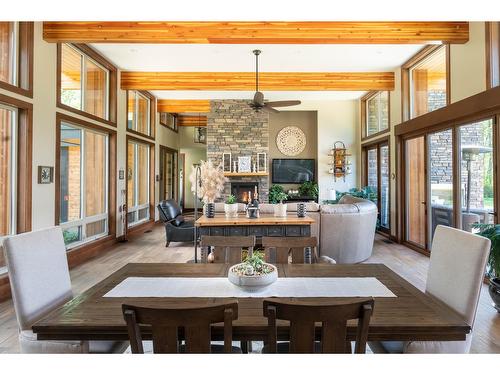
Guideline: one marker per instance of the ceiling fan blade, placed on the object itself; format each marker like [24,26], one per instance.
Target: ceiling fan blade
[283,103]
[269,109]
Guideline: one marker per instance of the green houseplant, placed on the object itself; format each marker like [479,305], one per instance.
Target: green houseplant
[276,196]
[492,232]
[231,206]
[309,189]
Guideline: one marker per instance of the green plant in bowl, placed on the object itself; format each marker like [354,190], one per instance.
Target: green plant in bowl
[231,199]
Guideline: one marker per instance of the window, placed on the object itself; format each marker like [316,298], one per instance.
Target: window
[8,136]
[140,113]
[83,184]
[169,120]
[375,113]
[492,54]
[428,83]
[138,175]
[9,51]
[84,83]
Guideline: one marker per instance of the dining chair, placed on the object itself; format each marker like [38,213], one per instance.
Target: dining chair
[227,249]
[195,322]
[278,249]
[40,283]
[455,276]
[303,317]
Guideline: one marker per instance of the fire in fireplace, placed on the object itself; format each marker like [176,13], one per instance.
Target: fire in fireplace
[241,189]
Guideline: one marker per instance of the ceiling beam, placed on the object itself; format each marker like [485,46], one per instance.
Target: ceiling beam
[245,81]
[192,120]
[258,32]
[183,106]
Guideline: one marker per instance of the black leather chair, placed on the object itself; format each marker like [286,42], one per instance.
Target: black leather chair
[176,228]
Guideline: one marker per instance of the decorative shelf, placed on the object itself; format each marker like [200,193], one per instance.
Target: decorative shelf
[245,174]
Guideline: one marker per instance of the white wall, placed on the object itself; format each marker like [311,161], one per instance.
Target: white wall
[194,153]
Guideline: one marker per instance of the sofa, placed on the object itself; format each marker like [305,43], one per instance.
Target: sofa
[345,230]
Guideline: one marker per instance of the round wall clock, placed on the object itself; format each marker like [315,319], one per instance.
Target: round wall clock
[291,141]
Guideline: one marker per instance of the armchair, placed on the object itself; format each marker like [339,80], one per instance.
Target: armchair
[176,228]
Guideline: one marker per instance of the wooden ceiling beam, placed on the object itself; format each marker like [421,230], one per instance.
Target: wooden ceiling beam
[183,106]
[192,120]
[245,81]
[258,32]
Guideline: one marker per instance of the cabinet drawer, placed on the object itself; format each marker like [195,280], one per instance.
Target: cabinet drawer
[276,231]
[216,231]
[236,231]
[306,231]
[204,231]
[293,231]
[257,231]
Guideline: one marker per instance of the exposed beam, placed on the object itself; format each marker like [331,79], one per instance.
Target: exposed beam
[192,120]
[258,32]
[183,106]
[245,81]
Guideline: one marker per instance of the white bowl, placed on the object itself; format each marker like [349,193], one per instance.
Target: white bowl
[253,283]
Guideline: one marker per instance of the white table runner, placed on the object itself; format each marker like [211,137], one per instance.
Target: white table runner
[221,287]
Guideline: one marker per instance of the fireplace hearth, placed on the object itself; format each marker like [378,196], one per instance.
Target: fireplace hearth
[241,189]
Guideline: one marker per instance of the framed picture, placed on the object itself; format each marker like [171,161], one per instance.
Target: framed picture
[261,162]
[226,161]
[244,164]
[45,174]
[200,134]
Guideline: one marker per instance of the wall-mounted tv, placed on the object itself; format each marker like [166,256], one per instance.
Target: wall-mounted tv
[293,171]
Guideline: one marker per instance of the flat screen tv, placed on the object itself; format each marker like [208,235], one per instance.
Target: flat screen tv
[293,171]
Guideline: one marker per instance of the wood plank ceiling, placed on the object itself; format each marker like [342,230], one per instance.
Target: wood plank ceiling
[258,32]
[183,106]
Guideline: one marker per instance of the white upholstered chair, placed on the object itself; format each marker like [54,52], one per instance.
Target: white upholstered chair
[40,282]
[456,272]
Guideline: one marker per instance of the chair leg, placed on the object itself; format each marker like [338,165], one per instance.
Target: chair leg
[244,347]
[168,243]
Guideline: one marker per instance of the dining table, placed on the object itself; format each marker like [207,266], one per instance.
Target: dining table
[407,315]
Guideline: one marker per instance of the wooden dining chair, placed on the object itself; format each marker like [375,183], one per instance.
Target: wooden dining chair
[228,249]
[278,250]
[303,317]
[195,321]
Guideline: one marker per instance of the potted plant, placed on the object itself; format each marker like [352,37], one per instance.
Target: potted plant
[276,196]
[210,185]
[231,206]
[253,274]
[492,232]
[309,189]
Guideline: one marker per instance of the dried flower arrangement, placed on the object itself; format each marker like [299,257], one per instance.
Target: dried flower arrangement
[212,181]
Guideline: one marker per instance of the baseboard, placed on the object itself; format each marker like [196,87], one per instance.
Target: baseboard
[85,252]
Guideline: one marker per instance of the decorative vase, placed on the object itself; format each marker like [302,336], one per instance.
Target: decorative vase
[210,210]
[301,210]
[494,290]
[231,210]
[252,283]
[280,210]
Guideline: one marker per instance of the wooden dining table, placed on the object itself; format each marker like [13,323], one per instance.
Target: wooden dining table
[411,315]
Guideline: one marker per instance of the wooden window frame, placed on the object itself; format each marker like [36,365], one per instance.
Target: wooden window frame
[377,143]
[364,116]
[112,85]
[25,51]
[152,115]
[112,143]
[175,128]
[492,31]
[152,182]
[405,77]
[24,123]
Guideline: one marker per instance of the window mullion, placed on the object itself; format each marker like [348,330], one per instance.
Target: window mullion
[83,213]
[82,83]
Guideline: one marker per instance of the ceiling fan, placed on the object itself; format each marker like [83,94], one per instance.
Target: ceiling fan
[258,99]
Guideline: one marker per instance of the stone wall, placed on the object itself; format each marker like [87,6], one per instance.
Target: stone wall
[233,126]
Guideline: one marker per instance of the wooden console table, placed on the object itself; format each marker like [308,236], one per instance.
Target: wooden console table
[265,225]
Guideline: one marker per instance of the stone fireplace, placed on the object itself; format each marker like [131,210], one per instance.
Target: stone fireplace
[234,127]
[241,190]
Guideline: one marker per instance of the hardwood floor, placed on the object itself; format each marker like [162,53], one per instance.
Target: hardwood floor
[150,247]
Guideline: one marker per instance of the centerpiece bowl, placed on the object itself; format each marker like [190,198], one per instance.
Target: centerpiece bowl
[253,275]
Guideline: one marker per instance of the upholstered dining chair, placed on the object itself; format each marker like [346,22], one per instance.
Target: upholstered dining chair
[303,317]
[226,249]
[278,250]
[40,283]
[194,321]
[455,276]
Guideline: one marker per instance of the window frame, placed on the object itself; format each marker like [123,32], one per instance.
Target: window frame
[364,115]
[110,177]
[151,113]
[164,122]
[111,86]
[415,60]
[23,61]
[492,31]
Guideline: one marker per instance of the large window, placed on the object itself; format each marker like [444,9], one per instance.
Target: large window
[84,83]
[492,54]
[140,113]
[9,46]
[8,130]
[83,184]
[138,188]
[375,113]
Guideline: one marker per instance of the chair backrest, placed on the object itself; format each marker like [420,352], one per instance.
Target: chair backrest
[228,249]
[456,269]
[169,209]
[38,272]
[304,316]
[278,249]
[165,324]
